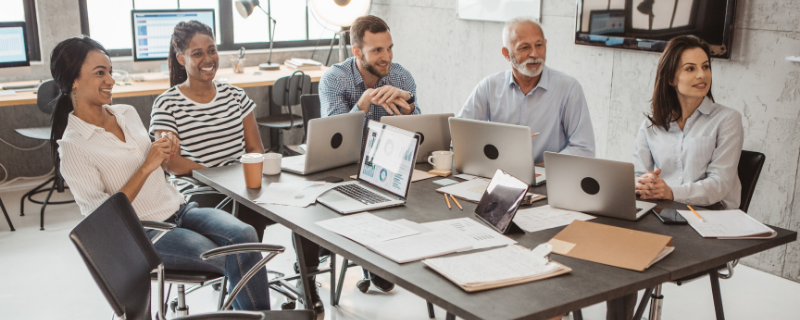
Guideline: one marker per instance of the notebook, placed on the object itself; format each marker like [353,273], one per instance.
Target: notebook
[728,224]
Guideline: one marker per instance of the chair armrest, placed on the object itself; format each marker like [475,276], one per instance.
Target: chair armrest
[229,315]
[187,179]
[241,248]
[158,225]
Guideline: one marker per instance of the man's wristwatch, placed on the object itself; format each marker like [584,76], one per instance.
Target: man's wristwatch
[410,100]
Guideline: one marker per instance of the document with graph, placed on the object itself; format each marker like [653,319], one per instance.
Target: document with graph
[479,235]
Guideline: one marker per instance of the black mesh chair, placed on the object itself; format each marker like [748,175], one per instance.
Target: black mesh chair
[5,213]
[120,257]
[286,93]
[47,92]
[749,169]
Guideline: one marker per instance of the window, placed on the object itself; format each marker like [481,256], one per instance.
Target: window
[295,25]
[24,10]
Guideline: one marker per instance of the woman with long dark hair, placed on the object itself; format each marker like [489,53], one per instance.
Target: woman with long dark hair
[213,123]
[689,146]
[105,149]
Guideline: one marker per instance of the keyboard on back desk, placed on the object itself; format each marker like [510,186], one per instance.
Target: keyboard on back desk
[361,194]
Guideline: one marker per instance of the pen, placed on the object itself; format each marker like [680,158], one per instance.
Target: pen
[535,134]
[448,202]
[456,201]
[695,213]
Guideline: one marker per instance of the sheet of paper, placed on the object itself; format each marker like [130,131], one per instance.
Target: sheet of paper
[471,190]
[725,223]
[420,246]
[418,175]
[511,262]
[478,235]
[366,228]
[412,225]
[546,217]
[466,176]
[296,194]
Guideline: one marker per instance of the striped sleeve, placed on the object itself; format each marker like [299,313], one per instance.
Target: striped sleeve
[161,117]
[82,176]
[245,103]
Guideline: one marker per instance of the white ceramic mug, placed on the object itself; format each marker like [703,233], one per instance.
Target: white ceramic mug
[272,163]
[441,160]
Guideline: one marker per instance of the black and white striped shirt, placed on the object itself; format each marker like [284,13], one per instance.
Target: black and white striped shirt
[212,133]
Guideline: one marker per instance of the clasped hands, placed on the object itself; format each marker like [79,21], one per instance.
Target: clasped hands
[651,186]
[161,150]
[392,99]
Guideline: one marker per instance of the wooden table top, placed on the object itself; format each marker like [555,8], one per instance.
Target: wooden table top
[154,83]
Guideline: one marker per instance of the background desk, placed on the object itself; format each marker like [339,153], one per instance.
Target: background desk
[589,282]
[20,111]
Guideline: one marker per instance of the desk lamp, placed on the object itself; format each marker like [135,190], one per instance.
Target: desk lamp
[245,8]
[341,13]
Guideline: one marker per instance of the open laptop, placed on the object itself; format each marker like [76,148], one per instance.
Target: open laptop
[384,176]
[332,142]
[433,131]
[596,186]
[482,147]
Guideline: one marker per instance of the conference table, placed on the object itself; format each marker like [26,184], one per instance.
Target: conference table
[588,283]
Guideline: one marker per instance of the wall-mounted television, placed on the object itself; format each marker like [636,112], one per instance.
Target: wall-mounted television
[649,24]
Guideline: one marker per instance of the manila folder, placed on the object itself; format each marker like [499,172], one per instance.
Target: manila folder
[614,246]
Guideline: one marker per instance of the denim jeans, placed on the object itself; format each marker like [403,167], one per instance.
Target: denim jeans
[202,229]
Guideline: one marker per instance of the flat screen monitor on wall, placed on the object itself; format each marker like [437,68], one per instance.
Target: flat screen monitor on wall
[152,31]
[649,24]
[14,59]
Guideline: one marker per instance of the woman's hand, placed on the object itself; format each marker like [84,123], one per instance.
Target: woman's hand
[651,186]
[159,153]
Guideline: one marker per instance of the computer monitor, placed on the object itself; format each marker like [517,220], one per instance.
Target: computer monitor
[152,31]
[14,59]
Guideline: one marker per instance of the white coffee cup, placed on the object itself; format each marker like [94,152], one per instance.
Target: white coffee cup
[272,163]
[441,160]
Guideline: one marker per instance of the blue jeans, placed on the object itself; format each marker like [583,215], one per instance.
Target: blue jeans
[203,229]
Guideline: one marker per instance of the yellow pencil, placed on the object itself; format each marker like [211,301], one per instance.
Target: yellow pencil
[456,201]
[448,202]
[695,213]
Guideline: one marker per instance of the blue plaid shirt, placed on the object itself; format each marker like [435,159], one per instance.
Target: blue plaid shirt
[342,86]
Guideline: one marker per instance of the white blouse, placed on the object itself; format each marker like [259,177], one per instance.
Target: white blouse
[701,162]
[96,164]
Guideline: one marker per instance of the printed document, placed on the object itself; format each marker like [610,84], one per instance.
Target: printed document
[420,246]
[547,217]
[366,228]
[728,224]
[478,235]
[295,194]
[470,190]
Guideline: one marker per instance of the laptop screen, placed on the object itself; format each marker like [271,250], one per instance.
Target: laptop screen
[388,157]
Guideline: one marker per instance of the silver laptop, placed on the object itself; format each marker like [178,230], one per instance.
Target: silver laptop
[384,176]
[332,142]
[596,186]
[482,147]
[433,130]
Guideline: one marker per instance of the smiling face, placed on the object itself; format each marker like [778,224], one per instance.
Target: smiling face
[693,76]
[94,85]
[376,53]
[527,49]
[200,58]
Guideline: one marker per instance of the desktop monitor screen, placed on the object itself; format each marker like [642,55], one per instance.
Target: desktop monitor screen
[13,49]
[152,30]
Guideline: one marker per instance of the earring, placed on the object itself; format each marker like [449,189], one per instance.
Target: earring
[74,99]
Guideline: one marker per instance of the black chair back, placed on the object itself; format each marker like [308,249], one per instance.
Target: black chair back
[45,94]
[750,164]
[119,256]
[311,110]
[287,90]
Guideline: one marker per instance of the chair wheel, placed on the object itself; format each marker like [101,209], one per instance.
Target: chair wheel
[216,286]
[173,305]
[363,286]
[288,305]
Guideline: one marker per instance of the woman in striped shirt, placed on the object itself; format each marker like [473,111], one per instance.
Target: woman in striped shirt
[104,149]
[213,122]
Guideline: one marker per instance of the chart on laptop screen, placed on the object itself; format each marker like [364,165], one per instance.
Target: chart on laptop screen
[392,155]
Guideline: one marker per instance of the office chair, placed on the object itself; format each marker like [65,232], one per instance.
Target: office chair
[309,103]
[5,213]
[47,92]
[749,169]
[120,257]
[286,93]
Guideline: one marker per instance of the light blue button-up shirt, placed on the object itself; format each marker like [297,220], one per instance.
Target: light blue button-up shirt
[700,163]
[556,108]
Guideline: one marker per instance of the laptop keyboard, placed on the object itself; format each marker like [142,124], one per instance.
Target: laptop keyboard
[361,194]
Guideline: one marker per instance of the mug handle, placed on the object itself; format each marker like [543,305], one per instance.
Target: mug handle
[431,162]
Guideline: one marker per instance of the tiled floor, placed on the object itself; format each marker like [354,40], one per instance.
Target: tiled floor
[43,277]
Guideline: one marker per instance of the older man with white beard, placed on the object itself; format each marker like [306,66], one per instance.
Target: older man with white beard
[531,94]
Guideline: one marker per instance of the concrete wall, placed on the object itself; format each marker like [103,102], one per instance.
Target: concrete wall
[448,57]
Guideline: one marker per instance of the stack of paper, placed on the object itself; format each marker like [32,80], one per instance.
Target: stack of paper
[471,231]
[546,217]
[295,194]
[728,224]
[495,268]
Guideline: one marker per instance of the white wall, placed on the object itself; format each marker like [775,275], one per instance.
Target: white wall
[448,57]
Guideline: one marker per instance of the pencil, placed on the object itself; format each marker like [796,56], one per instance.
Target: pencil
[535,134]
[448,202]
[456,201]
[695,213]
